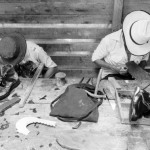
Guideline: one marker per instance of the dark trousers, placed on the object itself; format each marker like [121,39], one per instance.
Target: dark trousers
[120,77]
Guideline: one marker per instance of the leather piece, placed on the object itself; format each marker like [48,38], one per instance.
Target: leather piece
[139,106]
[75,105]
[137,72]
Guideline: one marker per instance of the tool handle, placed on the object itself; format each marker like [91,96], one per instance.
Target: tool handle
[98,80]
[31,86]
[25,97]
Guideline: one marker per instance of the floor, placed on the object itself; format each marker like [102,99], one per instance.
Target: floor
[107,134]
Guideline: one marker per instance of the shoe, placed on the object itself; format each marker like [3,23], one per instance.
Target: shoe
[139,104]
[9,81]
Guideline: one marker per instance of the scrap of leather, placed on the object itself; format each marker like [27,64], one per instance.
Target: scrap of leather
[89,141]
[137,72]
[22,124]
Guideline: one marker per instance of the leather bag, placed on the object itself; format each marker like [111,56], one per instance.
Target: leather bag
[76,105]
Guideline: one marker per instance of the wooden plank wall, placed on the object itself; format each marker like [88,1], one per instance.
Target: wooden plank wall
[69,30]
[132,5]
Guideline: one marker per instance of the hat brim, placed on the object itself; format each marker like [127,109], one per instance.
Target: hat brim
[134,48]
[21,41]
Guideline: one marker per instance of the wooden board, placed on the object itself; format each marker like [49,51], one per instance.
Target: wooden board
[83,61]
[66,49]
[123,101]
[79,72]
[137,72]
[51,31]
[55,19]
[132,5]
[117,15]
[57,7]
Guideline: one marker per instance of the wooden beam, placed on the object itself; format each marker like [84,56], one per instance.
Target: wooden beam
[57,7]
[54,19]
[70,53]
[49,26]
[117,15]
[62,41]
[57,31]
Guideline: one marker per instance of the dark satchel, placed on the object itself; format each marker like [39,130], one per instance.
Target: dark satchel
[76,105]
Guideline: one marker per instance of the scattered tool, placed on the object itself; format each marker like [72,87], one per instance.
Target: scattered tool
[31,85]
[8,104]
[22,124]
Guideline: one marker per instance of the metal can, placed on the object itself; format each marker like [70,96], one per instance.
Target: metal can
[60,79]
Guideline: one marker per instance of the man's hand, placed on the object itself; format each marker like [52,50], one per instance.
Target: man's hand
[123,69]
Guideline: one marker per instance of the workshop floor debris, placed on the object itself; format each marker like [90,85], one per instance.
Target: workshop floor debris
[107,134]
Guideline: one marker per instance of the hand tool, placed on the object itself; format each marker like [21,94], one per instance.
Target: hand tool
[22,124]
[31,86]
[8,104]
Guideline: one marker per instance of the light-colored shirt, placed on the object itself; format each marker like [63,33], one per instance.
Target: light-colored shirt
[37,55]
[112,50]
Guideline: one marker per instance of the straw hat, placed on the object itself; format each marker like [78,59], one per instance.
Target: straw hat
[136,28]
[12,48]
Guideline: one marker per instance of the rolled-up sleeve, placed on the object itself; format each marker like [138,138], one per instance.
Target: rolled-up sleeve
[45,58]
[101,51]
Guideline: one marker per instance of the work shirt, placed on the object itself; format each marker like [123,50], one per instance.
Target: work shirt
[112,50]
[37,55]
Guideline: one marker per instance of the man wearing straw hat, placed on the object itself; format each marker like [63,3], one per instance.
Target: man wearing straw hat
[15,50]
[131,43]
[128,44]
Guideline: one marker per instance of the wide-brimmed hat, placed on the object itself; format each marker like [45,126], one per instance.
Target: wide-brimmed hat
[136,28]
[12,48]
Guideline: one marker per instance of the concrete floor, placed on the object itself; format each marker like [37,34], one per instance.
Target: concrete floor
[107,134]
